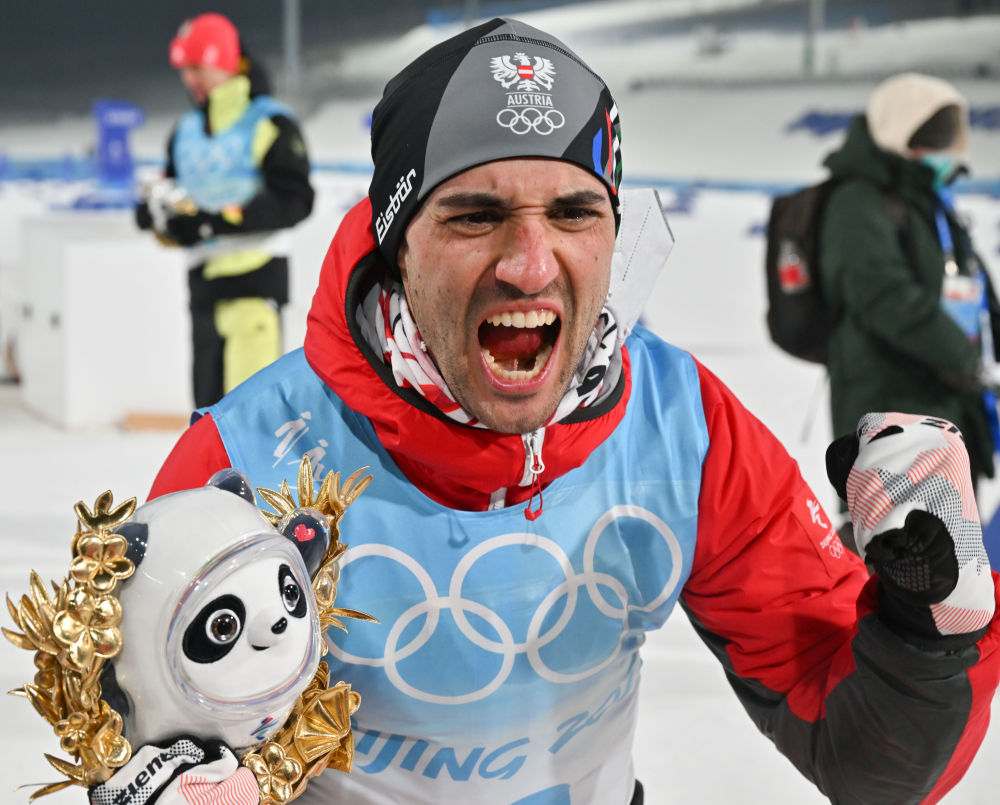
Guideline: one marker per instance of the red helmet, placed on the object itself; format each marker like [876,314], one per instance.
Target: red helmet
[208,39]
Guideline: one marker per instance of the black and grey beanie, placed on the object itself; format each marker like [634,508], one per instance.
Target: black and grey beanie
[502,89]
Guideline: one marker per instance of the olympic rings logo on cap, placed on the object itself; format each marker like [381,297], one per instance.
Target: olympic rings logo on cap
[521,121]
[607,594]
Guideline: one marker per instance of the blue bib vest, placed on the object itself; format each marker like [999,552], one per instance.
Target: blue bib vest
[505,664]
[218,169]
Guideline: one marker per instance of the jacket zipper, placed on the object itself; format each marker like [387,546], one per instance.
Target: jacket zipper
[533,469]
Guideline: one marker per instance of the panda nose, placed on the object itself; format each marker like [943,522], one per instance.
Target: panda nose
[267,629]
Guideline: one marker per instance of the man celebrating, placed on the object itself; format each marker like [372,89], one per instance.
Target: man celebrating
[242,173]
[551,479]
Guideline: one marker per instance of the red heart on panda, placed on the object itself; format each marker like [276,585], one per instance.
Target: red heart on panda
[304,534]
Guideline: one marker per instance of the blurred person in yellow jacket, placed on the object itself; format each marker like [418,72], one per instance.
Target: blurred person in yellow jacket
[236,180]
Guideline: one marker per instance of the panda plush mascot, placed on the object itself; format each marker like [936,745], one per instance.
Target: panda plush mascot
[184,647]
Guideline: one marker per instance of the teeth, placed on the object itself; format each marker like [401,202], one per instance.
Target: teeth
[520,319]
[539,361]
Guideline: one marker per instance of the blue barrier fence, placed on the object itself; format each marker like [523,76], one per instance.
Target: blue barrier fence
[70,168]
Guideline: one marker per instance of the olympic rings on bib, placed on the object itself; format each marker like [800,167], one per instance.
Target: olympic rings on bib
[554,613]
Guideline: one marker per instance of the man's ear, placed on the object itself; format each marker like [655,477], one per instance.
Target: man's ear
[401,256]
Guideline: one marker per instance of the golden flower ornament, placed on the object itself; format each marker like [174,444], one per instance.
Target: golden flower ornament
[87,627]
[101,562]
[275,772]
[73,731]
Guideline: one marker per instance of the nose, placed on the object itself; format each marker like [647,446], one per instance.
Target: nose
[264,631]
[528,263]
[192,82]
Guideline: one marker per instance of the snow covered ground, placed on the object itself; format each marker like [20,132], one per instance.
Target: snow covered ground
[716,144]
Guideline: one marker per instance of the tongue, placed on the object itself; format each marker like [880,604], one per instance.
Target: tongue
[505,343]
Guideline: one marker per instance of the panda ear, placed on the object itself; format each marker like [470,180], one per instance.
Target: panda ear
[137,536]
[232,480]
[308,529]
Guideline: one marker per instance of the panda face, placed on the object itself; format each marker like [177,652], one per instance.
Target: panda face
[253,635]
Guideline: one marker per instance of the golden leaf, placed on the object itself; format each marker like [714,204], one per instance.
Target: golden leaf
[343,758]
[357,614]
[27,613]
[305,483]
[19,640]
[38,590]
[104,518]
[42,703]
[324,723]
[326,621]
[75,773]
[280,504]
[51,788]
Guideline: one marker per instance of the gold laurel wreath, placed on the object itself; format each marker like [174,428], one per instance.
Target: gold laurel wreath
[74,630]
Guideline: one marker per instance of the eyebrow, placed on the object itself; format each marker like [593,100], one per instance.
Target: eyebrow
[580,198]
[465,200]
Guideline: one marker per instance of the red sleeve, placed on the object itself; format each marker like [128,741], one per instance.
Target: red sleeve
[793,618]
[197,456]
[770,572]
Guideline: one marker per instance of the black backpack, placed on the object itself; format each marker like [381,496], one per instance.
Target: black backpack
[798,318]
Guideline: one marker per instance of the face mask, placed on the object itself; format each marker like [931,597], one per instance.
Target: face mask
[945,167]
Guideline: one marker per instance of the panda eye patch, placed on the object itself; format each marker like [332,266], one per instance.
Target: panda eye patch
[291,593]
[215,630]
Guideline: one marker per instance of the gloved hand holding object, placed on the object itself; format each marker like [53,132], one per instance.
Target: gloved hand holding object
[908,487]
[187,229]
[174,217]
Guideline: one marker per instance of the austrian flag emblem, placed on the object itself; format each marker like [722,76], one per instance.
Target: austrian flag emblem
[530,74]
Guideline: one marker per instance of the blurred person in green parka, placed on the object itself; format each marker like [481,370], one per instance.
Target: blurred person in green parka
[899,270]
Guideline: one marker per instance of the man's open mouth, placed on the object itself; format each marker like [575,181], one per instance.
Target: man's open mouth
[517,344]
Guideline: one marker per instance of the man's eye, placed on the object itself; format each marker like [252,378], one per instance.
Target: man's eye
[477,218]
[576,213]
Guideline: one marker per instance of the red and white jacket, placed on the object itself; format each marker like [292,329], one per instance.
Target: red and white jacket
[793,617]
